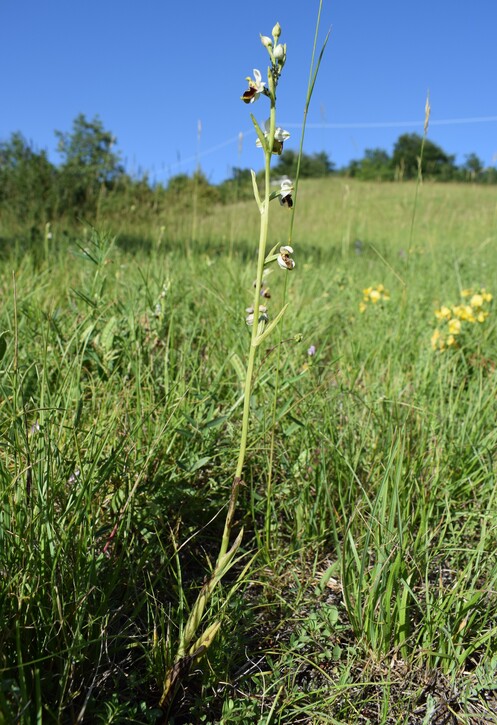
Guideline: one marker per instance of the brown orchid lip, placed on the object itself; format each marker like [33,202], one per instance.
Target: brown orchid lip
[286,200]
[249,94]
[286,260]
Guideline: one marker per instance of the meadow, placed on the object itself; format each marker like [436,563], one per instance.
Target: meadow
[364,589]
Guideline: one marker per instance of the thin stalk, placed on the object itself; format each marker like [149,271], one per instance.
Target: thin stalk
[420,175]
[313,71]
[419,180]
[225,557]
[253,348]
[269,486]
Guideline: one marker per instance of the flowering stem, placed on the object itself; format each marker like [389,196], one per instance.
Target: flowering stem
[253,346]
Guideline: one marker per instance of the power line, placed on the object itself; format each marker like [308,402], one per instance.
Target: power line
[338,126]
[396,124]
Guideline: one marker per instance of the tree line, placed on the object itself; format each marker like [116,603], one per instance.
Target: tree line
[91,175]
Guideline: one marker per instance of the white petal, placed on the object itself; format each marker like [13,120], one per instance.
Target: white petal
[285,262]
[286,188]
[281,135]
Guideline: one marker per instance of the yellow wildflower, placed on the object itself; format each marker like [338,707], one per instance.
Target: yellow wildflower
[476,300]
[375,295]
[464,312]
[443,313]
[437,340]
[454,326]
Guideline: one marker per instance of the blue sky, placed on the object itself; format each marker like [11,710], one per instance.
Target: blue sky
[152,70]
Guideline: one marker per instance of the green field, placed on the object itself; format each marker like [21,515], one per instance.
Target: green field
[365,587]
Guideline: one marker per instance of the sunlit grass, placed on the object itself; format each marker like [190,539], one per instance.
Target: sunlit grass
[119,419]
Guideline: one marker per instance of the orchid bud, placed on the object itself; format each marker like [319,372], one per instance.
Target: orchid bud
[276,31]
[279,52]
[266,42]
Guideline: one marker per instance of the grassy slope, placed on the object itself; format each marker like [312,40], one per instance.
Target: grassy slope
[372,599]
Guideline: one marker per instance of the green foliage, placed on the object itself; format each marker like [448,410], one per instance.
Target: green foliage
[238,187]
[473,164]
[90,182]
[27,181]
[314,166]
[184,191]
[436,163]
[120,404]
[375,166]
[89,164]
[378,165]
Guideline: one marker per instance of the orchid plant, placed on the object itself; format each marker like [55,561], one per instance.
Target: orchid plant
[270,138]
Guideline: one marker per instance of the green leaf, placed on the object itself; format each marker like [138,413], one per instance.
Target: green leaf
[271,256]
[256,191]
[260,133]
[199,463]
[239,367]
[270,327]
[215,422]
[107,334]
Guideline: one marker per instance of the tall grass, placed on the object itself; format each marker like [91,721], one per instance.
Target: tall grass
[119,421]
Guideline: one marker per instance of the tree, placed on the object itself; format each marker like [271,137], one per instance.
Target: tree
[89,164]
[435,162]
[473,166]
[311,166]
[489,175]
[375,166]
[185,191]
[238,187]
[27,180]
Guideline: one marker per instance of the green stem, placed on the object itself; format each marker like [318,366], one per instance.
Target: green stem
[269,487]
[253,347]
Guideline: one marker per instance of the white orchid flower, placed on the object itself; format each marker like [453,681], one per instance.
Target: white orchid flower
[284,259]
[263,316]
[256,87]
[280,135]
[285,193]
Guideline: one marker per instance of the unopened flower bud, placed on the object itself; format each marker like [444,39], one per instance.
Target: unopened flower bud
[276,31]
[266,42]
[279,52]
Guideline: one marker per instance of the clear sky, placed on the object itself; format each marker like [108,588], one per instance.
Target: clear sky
[153,69]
